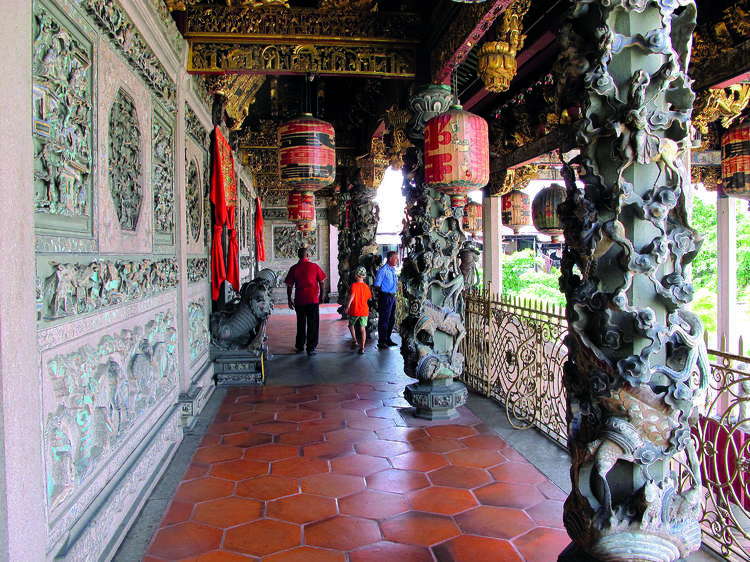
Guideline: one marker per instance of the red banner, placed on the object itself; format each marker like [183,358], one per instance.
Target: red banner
[224,198]
[260,249]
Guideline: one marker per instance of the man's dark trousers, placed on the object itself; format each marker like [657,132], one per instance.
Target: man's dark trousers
[308,316]
[386,316]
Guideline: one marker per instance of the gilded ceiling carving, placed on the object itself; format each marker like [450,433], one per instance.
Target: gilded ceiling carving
[725,104]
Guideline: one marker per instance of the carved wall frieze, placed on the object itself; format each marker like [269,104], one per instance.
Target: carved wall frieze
[274,214]
[113,20]
[193,200]
[195,128]
[206,200]
[197,269]
[287,240]
[200,87]
[322,59]
[101,391]
[296,22]
[246,262]
[199,335]
[124,162]
[162,162]
[77,288]
[62,117]
[174,37]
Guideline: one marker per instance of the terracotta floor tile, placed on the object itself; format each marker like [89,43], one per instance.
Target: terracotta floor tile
[381,448]
[419,461]
[195,471]
[227,428]
[275,427]
[350,435]
[208,455]
[460,477]
[497,522]
[391,551]
[268,487]
[301,508]
[484,442]
[371,424]
[396,402]
[332,485]
[229,408]
[202,489]
[297,415]
[420,529]
[183,540]
[328,450]
[397,481]
[450,431]
[301,438]
[542,544]
[445,501]
[478,458]
[468,547]
[344,415]
[253,417]
[326,404]
[548,513]
[263,537]
[222,556]
[512,455]
[300,398]
[227,512]
[209,440]
[372,504]
[361,404]
[149,558]
[504,494]
[516,472]
[246,439]
[551,491]
[378,394]
[383,412]
[178,512]
[275,407]
[239,470]
[359,465]
[321,425]
[271,452]
[307,554]
[437,445]
[342,533]
[406,434]
[299,467]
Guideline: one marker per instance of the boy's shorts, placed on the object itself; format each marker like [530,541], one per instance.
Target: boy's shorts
[358,321]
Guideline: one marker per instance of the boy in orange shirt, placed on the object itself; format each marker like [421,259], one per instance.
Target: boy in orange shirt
[359,294]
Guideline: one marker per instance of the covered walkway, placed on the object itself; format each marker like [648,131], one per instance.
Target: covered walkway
[326,463]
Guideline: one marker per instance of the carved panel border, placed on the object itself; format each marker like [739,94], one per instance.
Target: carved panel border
[163,186]
[198,329]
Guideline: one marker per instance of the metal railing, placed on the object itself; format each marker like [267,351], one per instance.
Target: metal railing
[514,353]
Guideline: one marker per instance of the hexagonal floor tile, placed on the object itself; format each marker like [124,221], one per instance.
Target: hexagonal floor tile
[445,501]
[478,458]
[437,445]
[359,465]
[496,522]
[299,467]
[450,431]
[384,550]
[542,543]
[372,504]
[271,452]
[301,508]
[228,512]
[275,427]
[503,494]
[485,442]
[381,448]
[219,453]
[342,533]
[202,489]
[178,512]
[307,554]
[350,435]
[301,437]
[297,415]
[405,434]
[263,537]
[268,487]
[424,462]
[548,513]
[420,529]
[184,540]
[468,547]
[239,470]
[459,477]
[247,439]
[332,485]
[397,481]
[517,473]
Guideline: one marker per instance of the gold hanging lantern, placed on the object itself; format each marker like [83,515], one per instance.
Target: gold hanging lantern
[497,59]
[516,210]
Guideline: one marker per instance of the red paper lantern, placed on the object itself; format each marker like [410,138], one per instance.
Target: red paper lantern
[300,209]
[458,200]
[472,221]
[735,161]
[307,153]
[544,210]
[456,152]
[516,210]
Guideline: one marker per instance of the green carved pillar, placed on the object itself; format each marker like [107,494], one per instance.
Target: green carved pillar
[637,366]
[431,278]
[344,249]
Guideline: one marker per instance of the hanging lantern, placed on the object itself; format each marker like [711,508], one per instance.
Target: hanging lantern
[516,210]
[472,221]
[456,152]
[307,153]
[735,161]
[300,209]
[544,211]
[458,200]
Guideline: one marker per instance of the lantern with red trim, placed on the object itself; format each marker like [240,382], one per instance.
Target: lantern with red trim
[307,153]
[472,221]
[300,209]
[544,211]
[456,152]
[515,210]
[735,161]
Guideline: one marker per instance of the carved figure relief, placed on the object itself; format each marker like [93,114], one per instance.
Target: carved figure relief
[287,240]
[197,269]
[193,201]
[195,128]
[61,67]
[101,392]
[124,161]
[163,174]
[198,331]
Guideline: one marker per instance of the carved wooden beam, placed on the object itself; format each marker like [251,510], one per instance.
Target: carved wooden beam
[465,32]
[724,68]
[563,138]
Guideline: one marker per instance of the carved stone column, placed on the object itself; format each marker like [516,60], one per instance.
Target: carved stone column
[431,278]
[637,365]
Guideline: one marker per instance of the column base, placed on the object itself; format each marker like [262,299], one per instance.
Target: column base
[436,400]
[238,367]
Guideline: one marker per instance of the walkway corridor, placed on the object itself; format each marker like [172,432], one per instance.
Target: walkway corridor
[326,463]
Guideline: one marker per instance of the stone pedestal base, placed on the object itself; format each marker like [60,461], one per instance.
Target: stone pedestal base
[238,368]
[436,400]
[191,403]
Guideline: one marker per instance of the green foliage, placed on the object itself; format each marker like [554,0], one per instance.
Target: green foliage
[524,276]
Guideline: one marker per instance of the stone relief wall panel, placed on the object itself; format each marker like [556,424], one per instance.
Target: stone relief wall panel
[131,234]
[103,389]
[198,314]
[196,182]
[163,174]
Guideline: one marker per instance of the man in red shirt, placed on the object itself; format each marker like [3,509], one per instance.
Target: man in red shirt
[307,278]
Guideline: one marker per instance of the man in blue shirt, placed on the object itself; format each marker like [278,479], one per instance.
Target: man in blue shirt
[386,284]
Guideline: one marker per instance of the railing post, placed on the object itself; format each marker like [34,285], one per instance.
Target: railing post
[490,338]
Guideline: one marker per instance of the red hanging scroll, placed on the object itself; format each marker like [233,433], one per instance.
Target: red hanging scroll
[260,249]
[224,198]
